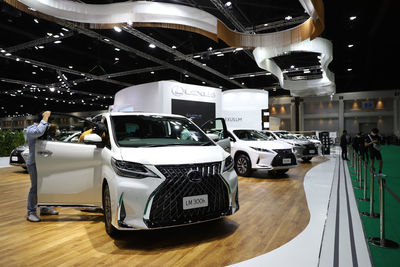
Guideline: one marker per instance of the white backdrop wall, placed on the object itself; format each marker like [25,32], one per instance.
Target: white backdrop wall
[156,96]
[241,108]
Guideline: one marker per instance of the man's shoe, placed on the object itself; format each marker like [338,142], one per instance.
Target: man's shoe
[48,211]
[32,217]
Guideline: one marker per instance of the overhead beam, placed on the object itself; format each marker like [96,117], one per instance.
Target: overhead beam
[176,53]
[38,42]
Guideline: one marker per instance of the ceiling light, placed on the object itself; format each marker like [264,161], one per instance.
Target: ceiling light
[268,73]
[105,39]
[61,34]
[350,45]
[203,82]
[231,78]
[117,49]
[292,67]
[117,29]
[210,48]
[252,75]
[17,59]
[57,42]
[349,69]
[64,29]
[8,54]
[173,47]
[204,64]
[152,72]
[228,4]
[353,17]
[56,36]
[71,67]
[266,24]
[288,17]
[242,83]
[217,52]
[52,89]
[41,46]
[49,34]
[116,59]
[220,55]
[36,20]
[33,72]
[152,45]
[3,51]
[187,76]
[196,56]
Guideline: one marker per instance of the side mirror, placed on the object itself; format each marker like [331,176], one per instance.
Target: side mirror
[213,137]
[93,139]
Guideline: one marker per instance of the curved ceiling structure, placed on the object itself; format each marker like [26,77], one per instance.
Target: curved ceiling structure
[320,86]
[173,16]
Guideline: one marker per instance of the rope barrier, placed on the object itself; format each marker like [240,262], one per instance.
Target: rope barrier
[359,164]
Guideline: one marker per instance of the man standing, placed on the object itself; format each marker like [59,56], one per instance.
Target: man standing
[32,133]
[343,145]
[373,141]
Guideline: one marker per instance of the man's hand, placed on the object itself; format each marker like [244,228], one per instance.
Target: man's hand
[46,116]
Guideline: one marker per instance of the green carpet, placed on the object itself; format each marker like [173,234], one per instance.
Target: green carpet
[383,257]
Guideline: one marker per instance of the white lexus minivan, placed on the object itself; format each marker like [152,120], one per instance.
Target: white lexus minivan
[145,171]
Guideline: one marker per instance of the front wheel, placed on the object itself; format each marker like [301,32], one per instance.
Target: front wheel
[110,229]
[243,165]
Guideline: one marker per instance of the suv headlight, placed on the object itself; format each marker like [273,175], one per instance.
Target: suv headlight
[262,149]
[228,164]
[132,169]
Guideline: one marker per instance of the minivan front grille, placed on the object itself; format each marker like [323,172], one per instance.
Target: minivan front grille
[167,205]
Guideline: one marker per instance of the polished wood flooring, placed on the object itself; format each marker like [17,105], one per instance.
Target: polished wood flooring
[273,210]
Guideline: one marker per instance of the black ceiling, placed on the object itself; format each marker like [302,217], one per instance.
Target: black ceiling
[82,70]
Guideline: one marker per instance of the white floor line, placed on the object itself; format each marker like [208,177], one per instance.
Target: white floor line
[304,249]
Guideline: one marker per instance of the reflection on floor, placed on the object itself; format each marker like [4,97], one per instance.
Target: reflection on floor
[273,211]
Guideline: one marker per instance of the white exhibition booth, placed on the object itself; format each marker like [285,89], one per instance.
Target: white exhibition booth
[241,108]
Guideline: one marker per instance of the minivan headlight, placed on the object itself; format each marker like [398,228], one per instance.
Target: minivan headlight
[132,169]
[228,164]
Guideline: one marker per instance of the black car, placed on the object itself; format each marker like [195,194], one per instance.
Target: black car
[18,154]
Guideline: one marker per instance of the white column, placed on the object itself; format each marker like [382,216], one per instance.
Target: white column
[301,116]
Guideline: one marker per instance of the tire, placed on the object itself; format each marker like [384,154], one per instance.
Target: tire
[280,172]
[110,229]
[306,159]
[243,165]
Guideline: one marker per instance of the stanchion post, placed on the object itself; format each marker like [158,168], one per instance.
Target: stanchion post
[381,241]
[364,198]
[359,172]
[371,196]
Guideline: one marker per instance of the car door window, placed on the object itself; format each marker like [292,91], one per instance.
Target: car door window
[217,127]
[64,128]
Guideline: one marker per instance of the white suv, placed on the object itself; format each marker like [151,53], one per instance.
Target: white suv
[147,171]
[251,149]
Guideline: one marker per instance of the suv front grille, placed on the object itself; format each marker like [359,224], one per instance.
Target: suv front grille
[283,154]
[167,206]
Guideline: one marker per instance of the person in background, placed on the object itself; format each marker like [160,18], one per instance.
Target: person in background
[356,143]
[373,141]
[343,145]
[363,148]
[99,129]
[32,133]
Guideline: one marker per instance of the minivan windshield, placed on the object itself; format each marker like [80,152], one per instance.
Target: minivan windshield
[153,131]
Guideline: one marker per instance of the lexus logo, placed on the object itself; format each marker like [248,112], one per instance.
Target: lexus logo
[194,176]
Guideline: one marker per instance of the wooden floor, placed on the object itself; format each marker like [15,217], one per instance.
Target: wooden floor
[273,210]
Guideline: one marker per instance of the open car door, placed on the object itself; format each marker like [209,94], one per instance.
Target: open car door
[69,173]
[218,127]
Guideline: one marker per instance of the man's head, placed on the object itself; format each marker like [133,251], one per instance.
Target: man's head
[344,132]
[374,131]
